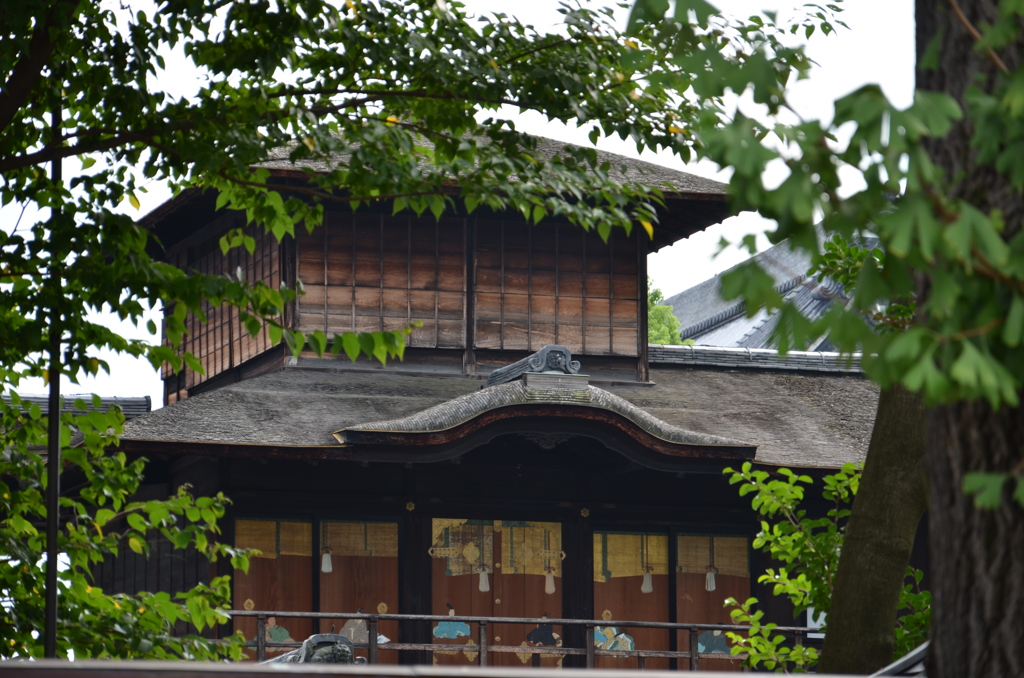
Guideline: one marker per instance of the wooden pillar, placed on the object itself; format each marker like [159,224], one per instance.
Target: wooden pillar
[414,583]
[642,367]
[469,284]
[578,582]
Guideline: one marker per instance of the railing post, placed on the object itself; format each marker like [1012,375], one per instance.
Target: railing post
[588,638]
[483,643]
[641,662]
[372,640]
[694,658]
[261,637]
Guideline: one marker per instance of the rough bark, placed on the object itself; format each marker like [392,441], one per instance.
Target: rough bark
[879,538]
[977,555]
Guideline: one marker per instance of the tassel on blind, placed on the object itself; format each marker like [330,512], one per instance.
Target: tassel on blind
[485,582]
[549,581]
[709,582]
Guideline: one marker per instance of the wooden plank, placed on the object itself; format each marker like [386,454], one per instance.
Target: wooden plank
[542,282]
[395,303]
[367,323]
[367,301]
[516,308]
[516,280]
[488,279]
[451,334]
[488,333]
[337,250]
[571,336]
[597,312]
[424,336]
[542,310]
[451,305]
[310,249]
[625,285]
[422,303]
[543,247]
[337,324]
[367,250]
[515,336]
[597,340]
[624,341]
[395,255]
[570,284]
[597,285]
[624,312]
[488,306]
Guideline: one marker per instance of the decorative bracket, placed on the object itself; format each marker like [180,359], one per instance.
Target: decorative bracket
[443,552]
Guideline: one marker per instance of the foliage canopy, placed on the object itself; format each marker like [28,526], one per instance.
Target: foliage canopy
[407,102]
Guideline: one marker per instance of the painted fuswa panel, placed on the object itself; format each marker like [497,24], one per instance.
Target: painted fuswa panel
[361,574]
[497,568]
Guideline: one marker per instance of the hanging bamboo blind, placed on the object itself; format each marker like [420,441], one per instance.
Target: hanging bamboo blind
[375,540]
[531,548]
[295,539]
[625,555]
[693,555]
[465,544]
[274,538]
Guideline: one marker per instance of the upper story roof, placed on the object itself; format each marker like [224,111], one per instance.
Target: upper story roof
[693,202]
[793,418]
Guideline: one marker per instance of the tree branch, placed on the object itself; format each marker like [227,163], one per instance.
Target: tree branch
[28,70]
[976,36]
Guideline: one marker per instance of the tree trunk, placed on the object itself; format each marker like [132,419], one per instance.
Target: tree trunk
[879,538]
[977,555]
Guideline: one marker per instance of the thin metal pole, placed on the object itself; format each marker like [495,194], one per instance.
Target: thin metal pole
[372,640]
[484,643]
[261,637]
[53,420]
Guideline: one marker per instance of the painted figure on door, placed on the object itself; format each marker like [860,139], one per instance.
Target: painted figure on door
[544,636]
[275,633]
[451,629]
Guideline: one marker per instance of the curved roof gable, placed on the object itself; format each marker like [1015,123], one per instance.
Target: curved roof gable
[546,403]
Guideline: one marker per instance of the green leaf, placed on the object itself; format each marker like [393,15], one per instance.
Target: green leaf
[1018,491]
[137,522]
[318,340]
[350,343]
[987,488]
[1013,329]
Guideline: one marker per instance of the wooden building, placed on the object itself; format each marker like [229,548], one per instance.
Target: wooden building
[416,488]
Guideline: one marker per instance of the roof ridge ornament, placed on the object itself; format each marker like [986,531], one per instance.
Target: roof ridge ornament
[551,358]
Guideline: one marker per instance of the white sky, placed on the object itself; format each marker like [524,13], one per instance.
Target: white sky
[878,48]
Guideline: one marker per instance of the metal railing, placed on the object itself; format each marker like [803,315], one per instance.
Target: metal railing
[484,648]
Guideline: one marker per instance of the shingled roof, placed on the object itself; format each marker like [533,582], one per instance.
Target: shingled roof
[827,420]
[705,199]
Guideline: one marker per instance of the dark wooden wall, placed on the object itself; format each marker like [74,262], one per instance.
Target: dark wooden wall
[221,344]
[373,272]
[473,283]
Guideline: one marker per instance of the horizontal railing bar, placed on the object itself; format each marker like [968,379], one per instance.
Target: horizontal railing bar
[509,620]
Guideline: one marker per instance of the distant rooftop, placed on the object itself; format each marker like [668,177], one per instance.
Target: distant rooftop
[710,320]
[131,407]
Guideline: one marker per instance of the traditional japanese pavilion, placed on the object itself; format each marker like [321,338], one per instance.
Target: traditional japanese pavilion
[578,482]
